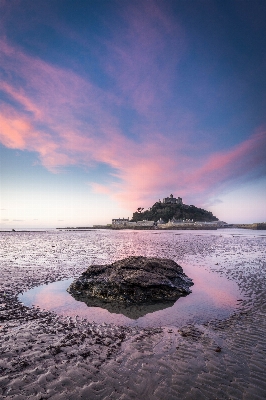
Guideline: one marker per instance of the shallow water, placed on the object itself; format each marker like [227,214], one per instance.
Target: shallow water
[213,296]
[71,358]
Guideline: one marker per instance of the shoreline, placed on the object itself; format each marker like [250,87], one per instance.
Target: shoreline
[253,226]
[51,357]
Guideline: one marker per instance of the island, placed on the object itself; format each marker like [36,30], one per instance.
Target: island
[170,213]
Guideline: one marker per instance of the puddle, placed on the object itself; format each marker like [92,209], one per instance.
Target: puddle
[212,297]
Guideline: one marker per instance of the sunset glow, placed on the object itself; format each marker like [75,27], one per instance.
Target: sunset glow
[108,106]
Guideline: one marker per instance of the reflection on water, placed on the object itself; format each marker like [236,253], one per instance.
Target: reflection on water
[132,311]
[212,297]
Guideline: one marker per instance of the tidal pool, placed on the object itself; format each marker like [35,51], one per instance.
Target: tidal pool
[212,297]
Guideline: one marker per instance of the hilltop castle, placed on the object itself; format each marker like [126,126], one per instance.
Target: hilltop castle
[171,209]
[172,200]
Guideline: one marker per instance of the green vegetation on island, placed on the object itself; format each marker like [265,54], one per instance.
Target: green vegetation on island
[168,211]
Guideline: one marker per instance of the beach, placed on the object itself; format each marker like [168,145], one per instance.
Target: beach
[49,356]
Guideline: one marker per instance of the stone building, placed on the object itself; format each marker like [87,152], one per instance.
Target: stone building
[172,200]
[120,221]
[145,223]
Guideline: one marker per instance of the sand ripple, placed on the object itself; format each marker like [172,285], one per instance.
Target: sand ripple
[44,356]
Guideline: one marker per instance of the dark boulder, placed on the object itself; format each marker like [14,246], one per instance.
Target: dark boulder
[133,280]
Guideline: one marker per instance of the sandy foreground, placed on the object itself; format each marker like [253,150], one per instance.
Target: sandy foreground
[46,356]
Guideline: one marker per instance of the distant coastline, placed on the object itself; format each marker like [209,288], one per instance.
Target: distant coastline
[254,226]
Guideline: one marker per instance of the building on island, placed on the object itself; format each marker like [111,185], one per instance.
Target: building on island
[145,223]
[209,223]
[172,200]
[122,223]
[173,223]
[119,222]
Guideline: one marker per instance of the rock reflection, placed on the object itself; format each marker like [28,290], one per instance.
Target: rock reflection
[212,297]
[132,311]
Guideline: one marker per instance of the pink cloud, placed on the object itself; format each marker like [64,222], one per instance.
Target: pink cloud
[56,113]
[144,55]
[17,132]
[154,171]
[67,120]
[21,98]
[231,164]
[13,131]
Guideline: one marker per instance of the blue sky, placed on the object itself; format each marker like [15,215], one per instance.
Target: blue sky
[106,106]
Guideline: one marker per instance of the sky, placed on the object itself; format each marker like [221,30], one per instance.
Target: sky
[107,106]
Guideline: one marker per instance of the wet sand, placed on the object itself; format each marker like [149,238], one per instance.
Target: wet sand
[45,356]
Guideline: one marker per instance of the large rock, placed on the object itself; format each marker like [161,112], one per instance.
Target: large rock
[133,280]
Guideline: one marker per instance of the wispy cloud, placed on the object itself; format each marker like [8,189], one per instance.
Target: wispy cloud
[160,172]
[69,120]
[142,55]
[244,160]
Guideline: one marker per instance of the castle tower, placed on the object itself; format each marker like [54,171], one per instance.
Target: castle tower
[172,200]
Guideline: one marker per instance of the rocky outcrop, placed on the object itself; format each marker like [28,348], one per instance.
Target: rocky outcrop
[133,280]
